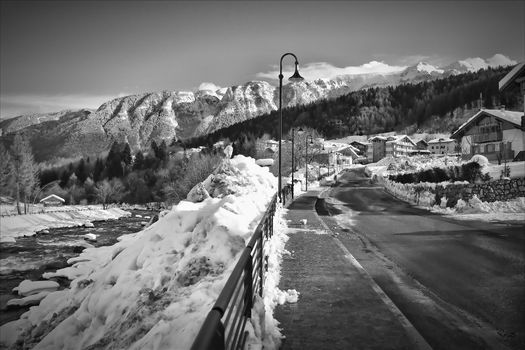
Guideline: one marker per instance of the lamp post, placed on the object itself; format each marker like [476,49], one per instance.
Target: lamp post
[295,77]
[293,160]
[306,157]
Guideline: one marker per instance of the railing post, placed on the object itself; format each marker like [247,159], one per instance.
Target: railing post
[248,281]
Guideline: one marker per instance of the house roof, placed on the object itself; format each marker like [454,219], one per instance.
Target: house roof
[52,196]
[382,138]
[364,143]
[425,142]
[516,72]
[396,138]
[503,115]
[349,150]
[440,140]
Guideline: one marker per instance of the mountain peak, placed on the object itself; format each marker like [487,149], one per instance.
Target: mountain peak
[428,68]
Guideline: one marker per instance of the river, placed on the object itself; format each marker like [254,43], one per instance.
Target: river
[29,257]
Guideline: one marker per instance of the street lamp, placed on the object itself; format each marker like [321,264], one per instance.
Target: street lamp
[293,160]
[294,78]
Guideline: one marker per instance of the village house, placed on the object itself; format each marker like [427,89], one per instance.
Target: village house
[361,146]
[422,145]
[442,146]
[377,149]
[390,146]
[52,201]
[497,134]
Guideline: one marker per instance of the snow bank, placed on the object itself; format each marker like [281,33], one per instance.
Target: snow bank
[28,225]
[477,206]
[153,289]
[263,311]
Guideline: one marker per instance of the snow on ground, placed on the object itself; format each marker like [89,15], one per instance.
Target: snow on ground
[28,225]
[475,209]
[153,289]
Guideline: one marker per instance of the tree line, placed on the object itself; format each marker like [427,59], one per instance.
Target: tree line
[143,177]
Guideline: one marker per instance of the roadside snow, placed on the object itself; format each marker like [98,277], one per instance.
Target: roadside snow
[264,328]
[28,225]
[153,289]
[475,209]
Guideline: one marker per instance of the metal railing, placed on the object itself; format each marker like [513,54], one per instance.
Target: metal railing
[224,327]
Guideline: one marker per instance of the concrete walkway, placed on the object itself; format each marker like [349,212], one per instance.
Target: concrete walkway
[340,306]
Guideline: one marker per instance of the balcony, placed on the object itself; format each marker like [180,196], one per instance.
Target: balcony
[488,137]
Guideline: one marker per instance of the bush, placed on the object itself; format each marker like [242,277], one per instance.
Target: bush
[466,172]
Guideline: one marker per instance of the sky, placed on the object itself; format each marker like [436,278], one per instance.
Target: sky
[75,54]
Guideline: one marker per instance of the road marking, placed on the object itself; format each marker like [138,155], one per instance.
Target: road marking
[417,339]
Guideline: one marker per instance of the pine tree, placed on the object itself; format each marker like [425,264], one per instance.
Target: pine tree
[98,170]
[114,162]
[81,171]
[126,154]
[138,163]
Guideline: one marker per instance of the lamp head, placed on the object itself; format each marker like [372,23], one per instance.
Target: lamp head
[296,77]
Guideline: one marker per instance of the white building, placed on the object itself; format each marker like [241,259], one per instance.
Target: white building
[442,146]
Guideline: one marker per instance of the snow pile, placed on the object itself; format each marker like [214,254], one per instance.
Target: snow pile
[153,289]
[477,206]
[28,225]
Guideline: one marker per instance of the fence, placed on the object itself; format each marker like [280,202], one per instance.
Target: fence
[224,327]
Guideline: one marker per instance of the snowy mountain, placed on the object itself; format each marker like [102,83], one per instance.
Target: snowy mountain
[476,63]
[167,115]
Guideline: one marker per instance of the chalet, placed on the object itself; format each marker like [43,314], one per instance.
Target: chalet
[442,146]
[422,144]
[361,146]
[399,146]
[390,146]
[377,149]
[495,133]
[515,76]
[52,201]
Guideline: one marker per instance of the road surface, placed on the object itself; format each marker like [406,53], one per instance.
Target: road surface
[460,283]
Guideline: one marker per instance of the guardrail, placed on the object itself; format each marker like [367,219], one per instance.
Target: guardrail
[224,327]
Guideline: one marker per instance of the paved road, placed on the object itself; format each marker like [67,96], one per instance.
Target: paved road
[460,283]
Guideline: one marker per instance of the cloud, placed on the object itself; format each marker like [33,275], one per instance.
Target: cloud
[14,105]
[475,63]
[208,86]
[500,60]
[325,70]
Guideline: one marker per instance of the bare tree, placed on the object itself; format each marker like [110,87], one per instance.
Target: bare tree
[6,171]
[25,170]
[109,191]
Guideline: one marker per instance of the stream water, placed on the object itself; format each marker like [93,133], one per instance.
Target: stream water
[30,257]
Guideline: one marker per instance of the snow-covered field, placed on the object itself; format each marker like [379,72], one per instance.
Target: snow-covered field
[27,225]
[153,289]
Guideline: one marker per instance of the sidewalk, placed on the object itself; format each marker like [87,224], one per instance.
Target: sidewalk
[338,307]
